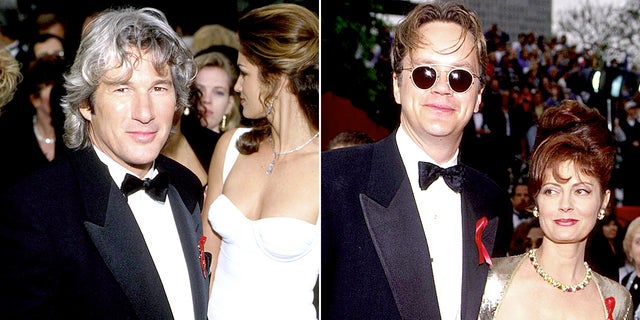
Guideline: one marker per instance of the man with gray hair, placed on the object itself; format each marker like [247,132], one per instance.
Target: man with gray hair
[113,231]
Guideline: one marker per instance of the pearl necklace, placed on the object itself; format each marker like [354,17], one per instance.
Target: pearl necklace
[556,283]
[277,154]
[39,137]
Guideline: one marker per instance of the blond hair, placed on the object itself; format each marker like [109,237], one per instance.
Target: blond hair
[214,35]
[10,77]
[632,229]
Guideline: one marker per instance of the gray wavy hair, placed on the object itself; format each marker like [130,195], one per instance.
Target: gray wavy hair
[106,44]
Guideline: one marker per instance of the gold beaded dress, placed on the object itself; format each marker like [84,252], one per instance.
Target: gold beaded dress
[499,279]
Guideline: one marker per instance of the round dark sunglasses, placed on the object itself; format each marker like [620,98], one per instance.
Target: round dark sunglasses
[425,76]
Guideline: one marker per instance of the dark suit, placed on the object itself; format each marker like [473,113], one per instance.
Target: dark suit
[375,257]
[71,248]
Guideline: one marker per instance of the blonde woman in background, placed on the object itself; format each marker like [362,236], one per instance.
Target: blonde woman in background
[10,77]
[214,107]
[218,103]
[631,281]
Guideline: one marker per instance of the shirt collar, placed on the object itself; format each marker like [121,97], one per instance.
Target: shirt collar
[117,171]
[411,154]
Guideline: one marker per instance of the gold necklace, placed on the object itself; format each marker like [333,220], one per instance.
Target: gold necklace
[562,287]
[277,154]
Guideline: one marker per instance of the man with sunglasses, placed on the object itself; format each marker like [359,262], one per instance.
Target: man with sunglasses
[407,231]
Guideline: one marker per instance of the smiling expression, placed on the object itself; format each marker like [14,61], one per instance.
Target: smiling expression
[568,209]
[130,120]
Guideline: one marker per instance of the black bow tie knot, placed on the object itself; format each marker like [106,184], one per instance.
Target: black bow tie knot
[429,172]
[156,188]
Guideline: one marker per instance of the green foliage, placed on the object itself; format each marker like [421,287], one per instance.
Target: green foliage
[350,32]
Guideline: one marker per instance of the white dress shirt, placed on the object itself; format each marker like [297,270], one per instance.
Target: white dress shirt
[155,220]
[441,215]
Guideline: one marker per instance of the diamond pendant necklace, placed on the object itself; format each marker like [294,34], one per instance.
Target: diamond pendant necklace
[277,154]
[39,137]
[562,287]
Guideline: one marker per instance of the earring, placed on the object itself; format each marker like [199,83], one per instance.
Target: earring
[535,212]
[269,108]
[223,123]
[186,111]
[601,214]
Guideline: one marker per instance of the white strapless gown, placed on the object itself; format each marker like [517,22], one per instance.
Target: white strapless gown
[267,268]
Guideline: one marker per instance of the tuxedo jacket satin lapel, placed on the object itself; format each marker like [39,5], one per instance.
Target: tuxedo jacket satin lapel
[122,246]
[392,218]
[189,224]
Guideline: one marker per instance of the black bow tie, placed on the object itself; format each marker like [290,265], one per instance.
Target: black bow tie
[522,214]
[156,188]
[429,172]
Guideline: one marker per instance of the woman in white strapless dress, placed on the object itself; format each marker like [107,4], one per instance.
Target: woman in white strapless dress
[263,195]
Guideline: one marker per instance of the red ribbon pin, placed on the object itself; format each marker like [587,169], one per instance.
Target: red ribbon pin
[483,255]
[610,302]
[203,259]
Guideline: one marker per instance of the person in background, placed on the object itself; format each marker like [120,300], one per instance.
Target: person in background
[214,108]
[216,50]
[85,237]
[13,37]
[263,201]
[629,124]
[569,176]
[604,251]
[348,139]
[219,104]
[214,35]
[526,236]
[521,201]
[47,44]
[29,131]
[51,23]
[398,230]
[10,78]
[631,281]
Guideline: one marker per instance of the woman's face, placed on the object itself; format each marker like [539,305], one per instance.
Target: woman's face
[42,101]
[248,86]
[568,208]
[216,100]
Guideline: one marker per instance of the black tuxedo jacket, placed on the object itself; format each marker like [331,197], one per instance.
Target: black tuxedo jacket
[375,256]
[71,248]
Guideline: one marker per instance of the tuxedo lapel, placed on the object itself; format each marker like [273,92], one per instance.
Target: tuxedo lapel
[189,227]
[123,248]
[473,273]
[396,230]
[117,237]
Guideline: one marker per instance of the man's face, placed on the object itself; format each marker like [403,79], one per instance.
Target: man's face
[520,199]
[131,120]
[438,112]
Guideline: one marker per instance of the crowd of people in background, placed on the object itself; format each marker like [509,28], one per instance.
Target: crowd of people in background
[528,74]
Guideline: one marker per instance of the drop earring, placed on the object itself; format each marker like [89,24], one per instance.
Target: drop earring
[601,214]
[223,123]
[535,212]
[186,111]
[269,108]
